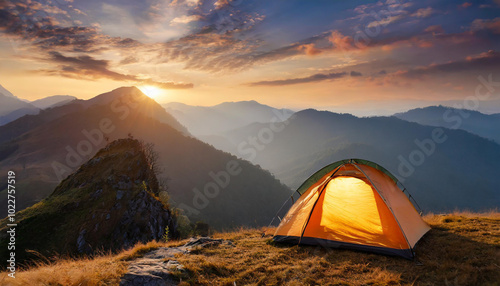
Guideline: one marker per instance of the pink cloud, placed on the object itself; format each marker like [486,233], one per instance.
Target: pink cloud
[466,5]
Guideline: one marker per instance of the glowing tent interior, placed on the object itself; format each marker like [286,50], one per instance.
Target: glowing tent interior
[353,204]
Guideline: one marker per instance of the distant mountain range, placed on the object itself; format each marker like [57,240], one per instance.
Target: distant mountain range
[457,170]
[487,126]
[12,108]
[52,101]
[209,184]
[444,164]
[212,120]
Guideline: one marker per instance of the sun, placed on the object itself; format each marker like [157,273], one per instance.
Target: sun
[151,91]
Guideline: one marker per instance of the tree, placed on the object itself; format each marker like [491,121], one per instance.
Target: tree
[152,159]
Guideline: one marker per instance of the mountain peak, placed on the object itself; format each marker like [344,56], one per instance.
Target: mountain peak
[117,93]
[5,92]
[109,203]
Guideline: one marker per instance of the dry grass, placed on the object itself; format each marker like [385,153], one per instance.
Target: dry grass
[139,250]
[103,270]
[461,249]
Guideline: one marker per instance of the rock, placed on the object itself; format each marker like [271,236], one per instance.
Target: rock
[206,241]
[96,194]
[117,206]
[153,268]
[80,242]
[157,266]
[119,195]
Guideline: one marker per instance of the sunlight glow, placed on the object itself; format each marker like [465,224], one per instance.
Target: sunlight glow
[151,91]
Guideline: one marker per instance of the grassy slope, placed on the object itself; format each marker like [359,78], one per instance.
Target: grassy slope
[461,249]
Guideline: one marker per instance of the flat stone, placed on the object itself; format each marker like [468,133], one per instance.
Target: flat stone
[156,267]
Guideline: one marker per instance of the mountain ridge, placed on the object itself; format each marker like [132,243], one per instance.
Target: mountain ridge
[213,120]
[313,139]
[52,101]
[475,122]
[196,172]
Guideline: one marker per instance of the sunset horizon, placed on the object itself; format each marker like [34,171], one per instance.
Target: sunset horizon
[374,58]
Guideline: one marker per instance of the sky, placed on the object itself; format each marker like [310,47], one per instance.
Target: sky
[363,57]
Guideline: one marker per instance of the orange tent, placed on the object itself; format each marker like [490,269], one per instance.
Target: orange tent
[354,204]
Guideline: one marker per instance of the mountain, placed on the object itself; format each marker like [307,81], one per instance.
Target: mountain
[487,126]
[12,108]
[26,123]
[18,113]
[442,168]
[9,104]
[109,203]
[5,92]
[122,99]
[208,184]
[207,121]
[52,101]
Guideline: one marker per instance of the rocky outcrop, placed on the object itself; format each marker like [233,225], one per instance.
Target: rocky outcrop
[109,203]
[156,267]
[127,211]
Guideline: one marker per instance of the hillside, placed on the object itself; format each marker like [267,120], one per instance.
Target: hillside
[18,113]
[208,184]
[458,172]
[12,108]
[484,125]
[52,101]
[203,121]
[461,249]
[109,203]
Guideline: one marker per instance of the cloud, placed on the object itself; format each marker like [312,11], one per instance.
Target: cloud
[36,24]
[168,84]
[222,36]
[310,49]
[488,61]
[185,19]
[434,29]
[89,68]
[424,12]
[386,21]
[356,74]
[486,24]
[313,78]
[222,52]
[465,5]
[341,42]
[85,67]
[221,3]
